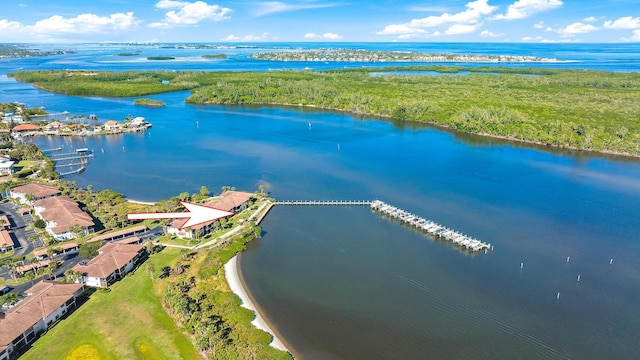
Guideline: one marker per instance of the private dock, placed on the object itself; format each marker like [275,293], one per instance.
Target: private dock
[324,202]
[440,231]
[77,161]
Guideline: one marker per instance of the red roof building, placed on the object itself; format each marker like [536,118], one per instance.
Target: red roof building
[113,262]
[61,213]
[46,303]
[37,190]
[25,128]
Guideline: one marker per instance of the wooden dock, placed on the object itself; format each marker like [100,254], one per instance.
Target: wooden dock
[464,241]
[78,160]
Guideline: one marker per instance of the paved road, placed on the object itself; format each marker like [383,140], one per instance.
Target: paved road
[19,224]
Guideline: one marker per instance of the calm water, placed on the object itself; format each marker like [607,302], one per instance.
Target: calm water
[345,283]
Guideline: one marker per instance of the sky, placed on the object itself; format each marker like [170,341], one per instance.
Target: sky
[223,21]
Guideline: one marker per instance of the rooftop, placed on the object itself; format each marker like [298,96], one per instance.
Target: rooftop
[44,298]
[65,212]
[36,189]
[5,239]
[111,257]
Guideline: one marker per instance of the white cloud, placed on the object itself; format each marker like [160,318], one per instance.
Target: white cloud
[329,36]
[169,4]
[7,26]
[85,23]
[487,33]
[272,7]
[459,29]
[590,19]
[58,28]
[189,13]
[233,37]
[539,25]
[524,8]
[623,23]
[475,11]
[577,28]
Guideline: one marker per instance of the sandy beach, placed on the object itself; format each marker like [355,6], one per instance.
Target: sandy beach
[236,285]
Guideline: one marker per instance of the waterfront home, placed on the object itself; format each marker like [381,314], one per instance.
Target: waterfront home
[6,241]
[113,262]
[232,201]
[62,214]
[25,128]
[33,192]
[45,304]
[138,123]
[112,126]
[54,126]
[6,165]
[119,234]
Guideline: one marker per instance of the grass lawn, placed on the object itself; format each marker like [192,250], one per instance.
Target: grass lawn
[127,322]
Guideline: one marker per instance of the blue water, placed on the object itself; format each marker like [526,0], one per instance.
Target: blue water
[344,283]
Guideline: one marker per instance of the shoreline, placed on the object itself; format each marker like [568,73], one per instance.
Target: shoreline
[238,287]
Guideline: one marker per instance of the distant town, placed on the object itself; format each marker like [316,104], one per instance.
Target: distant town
[356,55]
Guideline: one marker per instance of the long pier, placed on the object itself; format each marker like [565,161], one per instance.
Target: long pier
[439,231]
[431,227]
[324,202]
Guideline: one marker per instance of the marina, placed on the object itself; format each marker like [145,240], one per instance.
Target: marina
[464,241]
[73,162]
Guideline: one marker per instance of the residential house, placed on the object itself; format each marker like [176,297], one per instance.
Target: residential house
[45,304]
[54,126]
[6,242]
[25,128]
[6,165]
[112,126]
[231,201]
[113,262]
[234,201]
[62,214]
[36,190]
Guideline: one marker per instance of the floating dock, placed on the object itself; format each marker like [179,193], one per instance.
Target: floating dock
[440,231]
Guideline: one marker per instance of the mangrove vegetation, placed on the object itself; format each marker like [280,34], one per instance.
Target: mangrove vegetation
[590,110]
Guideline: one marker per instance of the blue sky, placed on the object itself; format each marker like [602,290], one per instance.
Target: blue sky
[320,20]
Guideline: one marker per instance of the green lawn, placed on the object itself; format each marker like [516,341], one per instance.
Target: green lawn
[127,322]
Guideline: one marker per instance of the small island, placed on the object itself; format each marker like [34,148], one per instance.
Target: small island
[357,55]
[215,56]
[148,102]
[160,58]
[127,54]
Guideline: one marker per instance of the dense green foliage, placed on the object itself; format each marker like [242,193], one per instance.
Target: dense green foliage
[576,109]
[215,56]
[149,102]
[113,84]
[161,58]
[590,110]
[199,298]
